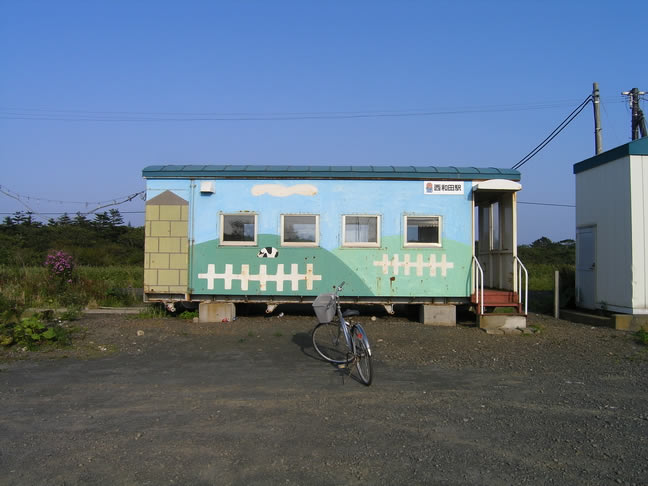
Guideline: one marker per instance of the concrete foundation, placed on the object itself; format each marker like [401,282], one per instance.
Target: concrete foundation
[501,321]
[438,315]
[216,312]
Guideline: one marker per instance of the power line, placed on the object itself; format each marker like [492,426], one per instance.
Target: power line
[39,114]
[101,204]
[548,204]
[554,133]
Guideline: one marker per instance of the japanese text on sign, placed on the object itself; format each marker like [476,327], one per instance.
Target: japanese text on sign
[442,187]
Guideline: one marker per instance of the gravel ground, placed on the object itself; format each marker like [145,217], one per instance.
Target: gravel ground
[166,401]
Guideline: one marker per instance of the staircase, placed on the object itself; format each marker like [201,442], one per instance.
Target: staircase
[499,298]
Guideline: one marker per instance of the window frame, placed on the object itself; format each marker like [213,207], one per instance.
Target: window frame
[362,244]
[285,243]
[238,243]
[407,244]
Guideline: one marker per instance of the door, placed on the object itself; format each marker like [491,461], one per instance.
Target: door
[586,267]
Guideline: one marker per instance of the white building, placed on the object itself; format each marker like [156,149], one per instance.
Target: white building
[612,230]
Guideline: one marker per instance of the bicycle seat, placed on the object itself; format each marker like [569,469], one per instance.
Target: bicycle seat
[350,312]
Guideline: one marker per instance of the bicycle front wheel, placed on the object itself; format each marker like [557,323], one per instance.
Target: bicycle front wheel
[362,357]
[329,342]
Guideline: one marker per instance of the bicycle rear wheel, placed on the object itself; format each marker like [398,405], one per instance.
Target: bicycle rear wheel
[362,357]
[329,342]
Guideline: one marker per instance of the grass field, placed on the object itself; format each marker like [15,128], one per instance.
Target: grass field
[93,286]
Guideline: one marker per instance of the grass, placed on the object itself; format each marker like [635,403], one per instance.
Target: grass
[101,286]
[642,337]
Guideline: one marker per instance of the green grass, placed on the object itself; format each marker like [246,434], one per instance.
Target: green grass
[103,286]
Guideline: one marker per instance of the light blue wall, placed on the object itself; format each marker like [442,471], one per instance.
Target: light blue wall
[390,199]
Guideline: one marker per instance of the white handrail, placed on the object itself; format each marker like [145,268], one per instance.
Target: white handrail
[521,267]
[479,278]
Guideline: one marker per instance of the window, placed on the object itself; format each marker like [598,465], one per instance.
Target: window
[238,229]
[361,231]
[299,230]
[423,231]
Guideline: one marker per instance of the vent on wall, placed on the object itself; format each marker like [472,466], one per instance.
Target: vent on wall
[207,187]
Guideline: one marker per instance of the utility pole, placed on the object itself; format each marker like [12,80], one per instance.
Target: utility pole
[638,119]
[598,136]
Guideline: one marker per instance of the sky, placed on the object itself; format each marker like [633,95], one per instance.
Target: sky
[93,92]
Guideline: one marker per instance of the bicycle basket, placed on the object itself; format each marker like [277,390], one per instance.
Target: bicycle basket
[324,307]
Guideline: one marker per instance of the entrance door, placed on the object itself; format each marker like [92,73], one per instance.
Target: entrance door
[586,267]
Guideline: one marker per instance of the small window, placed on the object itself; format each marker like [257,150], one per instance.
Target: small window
[361,231]
[238,229]
[299,230]
[423,231]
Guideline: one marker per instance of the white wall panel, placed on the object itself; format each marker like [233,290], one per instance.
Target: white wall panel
[603,199]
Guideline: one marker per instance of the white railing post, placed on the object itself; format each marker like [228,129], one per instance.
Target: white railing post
[522,268]
[479,284]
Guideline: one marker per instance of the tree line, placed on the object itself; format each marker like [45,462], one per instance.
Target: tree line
[104,240]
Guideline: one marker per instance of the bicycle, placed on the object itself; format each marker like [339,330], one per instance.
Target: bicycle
[341,343]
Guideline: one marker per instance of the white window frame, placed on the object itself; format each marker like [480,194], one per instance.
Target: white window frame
[361,244]
[407,244]
[238,243]
[301,243]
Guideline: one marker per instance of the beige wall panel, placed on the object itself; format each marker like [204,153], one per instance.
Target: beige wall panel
[170,213]
[150,277]
[152,212]
[160,228]
[179,261]
[169,245]
[151,244]
[159,260]
[178,289]
[185,213]
[183,278]
[179,228]
[169,277]
[184,246]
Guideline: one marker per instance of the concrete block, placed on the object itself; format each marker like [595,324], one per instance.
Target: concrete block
[216,312]
[627,322]
[502,321]
[438,314]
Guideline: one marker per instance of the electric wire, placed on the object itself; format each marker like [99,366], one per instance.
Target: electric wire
[554,133]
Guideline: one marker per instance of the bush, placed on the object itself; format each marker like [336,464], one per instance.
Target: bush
[31,332]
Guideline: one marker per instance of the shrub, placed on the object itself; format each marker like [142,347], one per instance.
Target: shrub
[31,332]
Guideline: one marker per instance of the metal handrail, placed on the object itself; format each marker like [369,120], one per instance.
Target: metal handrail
[479,278]
[521,268]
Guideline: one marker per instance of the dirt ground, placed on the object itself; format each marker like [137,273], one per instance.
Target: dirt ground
[168,401]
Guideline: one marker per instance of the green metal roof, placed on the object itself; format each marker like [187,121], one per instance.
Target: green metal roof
[636,147]
[410,172]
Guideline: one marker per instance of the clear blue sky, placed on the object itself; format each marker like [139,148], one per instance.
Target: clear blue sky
[510,70]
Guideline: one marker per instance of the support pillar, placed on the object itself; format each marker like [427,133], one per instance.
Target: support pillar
[216,312]
[438,314]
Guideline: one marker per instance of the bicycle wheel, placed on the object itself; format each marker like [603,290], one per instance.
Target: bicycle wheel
[362,357]
[328,341]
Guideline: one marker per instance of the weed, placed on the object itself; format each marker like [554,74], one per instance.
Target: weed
[72,313]
[154,311]
[189,315]
[31,332]
[250,334]
[641,337]
[242,340]
[536,328]
[278,334]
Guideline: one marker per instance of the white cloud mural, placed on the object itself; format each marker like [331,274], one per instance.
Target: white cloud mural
[279,190]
